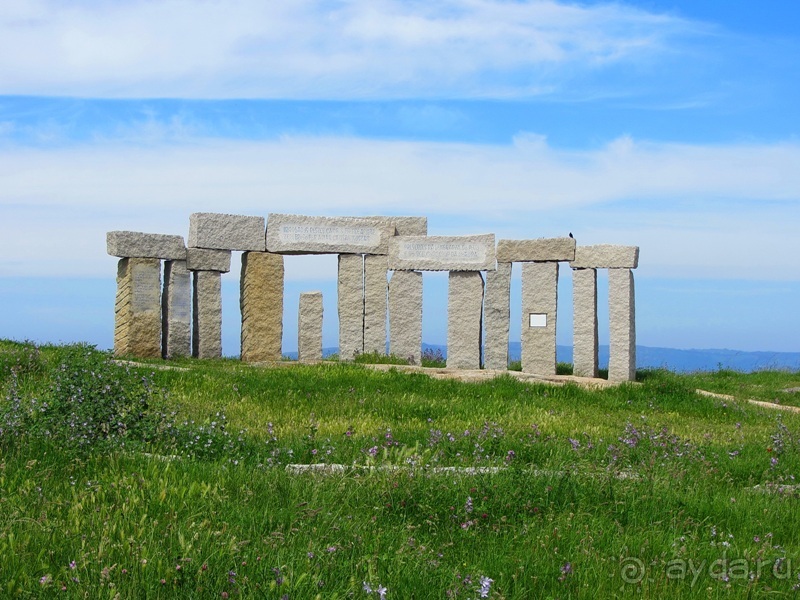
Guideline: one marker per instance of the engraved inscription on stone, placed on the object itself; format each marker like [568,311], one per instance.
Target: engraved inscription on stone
[146,284]
[290,233]
[182,302]
[442,251]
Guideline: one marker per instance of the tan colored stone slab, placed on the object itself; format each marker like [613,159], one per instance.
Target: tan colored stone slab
[536,250]
[539,300]
[622,325]
[203,259]
[405,315]
[176,310]
[606,256]
[376,289]
[464,319]
[309,327]
[442,253]
[298,234]
[134,244]
[261,302]
[496,319]
[220,231]
[207,314]
[137,314]
[584,343]
[405,225]
[350,300]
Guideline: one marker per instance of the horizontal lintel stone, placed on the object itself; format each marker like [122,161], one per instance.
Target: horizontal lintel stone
[606,256]
[203,259]
[536,250]
[299,234]
[442,253]
[405,225]
[134,244]
[218,231]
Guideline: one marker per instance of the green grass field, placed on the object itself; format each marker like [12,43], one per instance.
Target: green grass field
[120,481]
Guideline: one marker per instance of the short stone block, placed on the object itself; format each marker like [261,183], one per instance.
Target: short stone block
[584,341]
[297,234]
[496,307]
[464,319]
[350,300]
[134,244]
[203,259]
[376,288]
[176,311]
[622,325]
[442,253]
[309,327]
[405,315]
[404,225]
[207,314]
[261,302]
[606,256]
[137,314]
[219,231]
[539,303]
[536,250]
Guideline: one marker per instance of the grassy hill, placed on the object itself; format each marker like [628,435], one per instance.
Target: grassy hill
[140,481]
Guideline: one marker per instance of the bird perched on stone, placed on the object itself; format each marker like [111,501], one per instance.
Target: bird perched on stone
[572,236]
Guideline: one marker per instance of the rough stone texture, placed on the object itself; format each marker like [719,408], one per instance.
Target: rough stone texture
[405,225]
[536,250]
[496,307]
[202,259]
[133,244]
[539,296]
[261,302]
[442,253]
[298,234]
[137,314]
[606,256]
[405,315]
[622,325]
[584,340]
[350,299]
[176,311]
[464,320]
[219,231]
[309,327]
[376,288]
[207,314]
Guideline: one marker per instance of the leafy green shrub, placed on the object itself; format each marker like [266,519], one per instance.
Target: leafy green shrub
[564,368]
[376,358]
[21,358]
[433,358]
[515,365]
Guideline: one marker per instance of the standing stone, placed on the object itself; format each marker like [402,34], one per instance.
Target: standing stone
[376,287]
[584,339]
[207,314]
[309,327]
[137,314]
[261,301]
[350,298]
[405,315]
[622,325]
[539,301]
[464,312]
[176,311]
[496,317]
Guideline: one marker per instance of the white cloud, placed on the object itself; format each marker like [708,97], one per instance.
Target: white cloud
[318,48]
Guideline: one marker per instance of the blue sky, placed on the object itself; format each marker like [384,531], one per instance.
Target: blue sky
[673,126]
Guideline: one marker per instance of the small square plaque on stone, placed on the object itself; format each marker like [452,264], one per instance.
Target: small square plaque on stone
[537,320]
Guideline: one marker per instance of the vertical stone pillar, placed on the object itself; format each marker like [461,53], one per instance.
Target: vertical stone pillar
[207,314]
[350,300]
[137,314]
[539,302]
[375,290]
[261,302]
[496,307]
[309,327]
[584,339]
[464,319]
[405,315]
[176,310]
[622,325]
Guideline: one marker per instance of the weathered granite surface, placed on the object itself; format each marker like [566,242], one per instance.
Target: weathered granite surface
[464,319]
[203,259]
[376,289]
[622,325]
[261,302]
[584,342]
[207,314]
[298,234]
[309,327]
[442,253]
[536,250]
[350,300]
[134,244]
[176,311]
[606,256]
[137,313]
[404,225]
[219,231]
[405,315]
[539,296]
[496,307]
